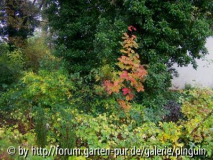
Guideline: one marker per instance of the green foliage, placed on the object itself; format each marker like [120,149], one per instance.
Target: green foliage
[45,89]
[18,21]
[11,136]
[115,131]
[11,66]
[35,51]
[188,86]
[62,119]
[106,45]
[34,101]
[89,96]
[156,85]
[33,56]
[75,36]
[197,107]
[110,131]
[62,101]
[166,31]
[40,128]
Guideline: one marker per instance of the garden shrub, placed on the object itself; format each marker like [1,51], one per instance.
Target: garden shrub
[10,136]
[35,51]
[110,131]
[11,66]
[132,73]
[114,131]
[36,98]
[112,128]
[45,89]
[197,107]
[174,110]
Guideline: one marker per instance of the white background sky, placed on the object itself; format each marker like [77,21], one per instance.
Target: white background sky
[203,76]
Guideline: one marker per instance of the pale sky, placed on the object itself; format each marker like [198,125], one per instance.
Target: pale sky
[203,76]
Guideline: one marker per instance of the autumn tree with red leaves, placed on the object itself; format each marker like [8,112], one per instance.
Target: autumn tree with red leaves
[132,73]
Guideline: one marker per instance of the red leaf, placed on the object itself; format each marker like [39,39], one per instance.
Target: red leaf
[131,27]
[124,75]
[126,91]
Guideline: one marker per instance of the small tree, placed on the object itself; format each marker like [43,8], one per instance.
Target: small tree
[132,73]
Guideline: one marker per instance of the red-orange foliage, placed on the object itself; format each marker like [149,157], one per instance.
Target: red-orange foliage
[131,71]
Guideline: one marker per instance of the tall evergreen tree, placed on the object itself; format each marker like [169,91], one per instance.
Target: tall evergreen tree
[18,20]
[74,24]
